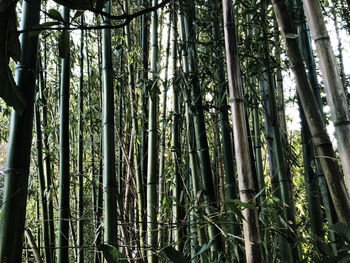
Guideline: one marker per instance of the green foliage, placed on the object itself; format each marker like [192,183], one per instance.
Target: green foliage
[112,254]
[54,14]
[204,248]
[174,256]
[343,231]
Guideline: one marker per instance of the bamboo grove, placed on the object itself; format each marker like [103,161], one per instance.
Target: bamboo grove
[159,131]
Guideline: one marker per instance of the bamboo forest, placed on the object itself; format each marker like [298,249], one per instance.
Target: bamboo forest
[175,131]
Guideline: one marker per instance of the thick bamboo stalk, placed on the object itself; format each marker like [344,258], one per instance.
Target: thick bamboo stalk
[336,96]
[225,130]
[245,173]
[64,170]
[313,116]
[109,176]
[13,210]
[152,173]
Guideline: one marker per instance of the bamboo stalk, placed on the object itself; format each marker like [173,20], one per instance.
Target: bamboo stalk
[245,172]
[336,96]
[313,116]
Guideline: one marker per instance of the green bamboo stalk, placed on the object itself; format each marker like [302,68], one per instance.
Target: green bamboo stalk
[305,43]
[191,142]
[18,158]
[99,205]
[80,168]
[176,138]
[313,116]
[134,117]
[64,179]
[144,124]
[161,176]
[109,176]
[228,156]
[42,186]
[290,250]
[312,191]
[152,173]
[196,107]
[47,158]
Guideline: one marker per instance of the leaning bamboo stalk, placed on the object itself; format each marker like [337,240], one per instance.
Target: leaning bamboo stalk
[33,245]
[336,96]
[245,173]
[317,127]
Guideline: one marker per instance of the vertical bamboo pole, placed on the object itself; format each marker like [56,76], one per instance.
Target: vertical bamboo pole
[18,158]
[245,173]
[152,173]
[109,176]
[80,226]
[64,180]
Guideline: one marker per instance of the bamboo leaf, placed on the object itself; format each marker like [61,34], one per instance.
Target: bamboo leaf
[237,202]
[78,13]
[112,254]
[204,248]
[174,255]
[342,230]
[53,13]
[63,44]
[291,35]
